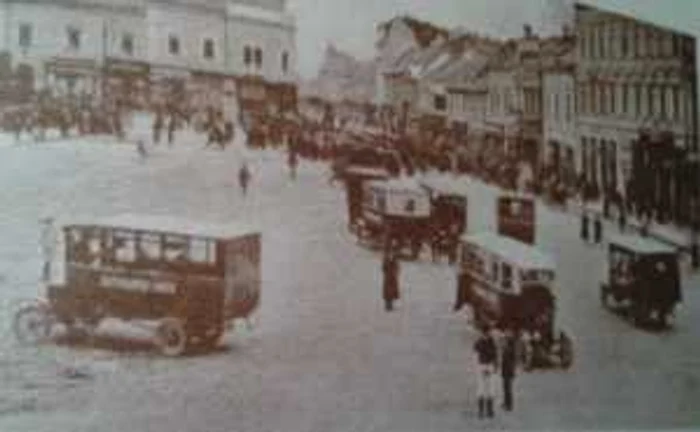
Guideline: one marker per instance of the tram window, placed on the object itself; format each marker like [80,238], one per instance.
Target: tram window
[507,277]
[125,247]
[149,247]
[175,248]
[381,203]
[203,251]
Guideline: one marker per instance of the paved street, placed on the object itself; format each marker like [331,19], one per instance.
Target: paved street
[322,355]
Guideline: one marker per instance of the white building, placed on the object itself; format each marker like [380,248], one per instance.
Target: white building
[559,128]
[72,44]
[632,76]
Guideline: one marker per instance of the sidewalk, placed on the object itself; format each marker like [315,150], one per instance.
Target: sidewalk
[666,233]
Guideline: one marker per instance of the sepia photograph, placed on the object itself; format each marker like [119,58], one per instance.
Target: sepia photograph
[349,215]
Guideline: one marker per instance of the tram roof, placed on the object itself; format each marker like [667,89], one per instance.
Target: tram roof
[641,245]
[517,253]
[446,185]
[172,225]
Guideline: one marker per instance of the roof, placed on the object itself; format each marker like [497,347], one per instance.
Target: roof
[172,225]
[641,245]
[517,253]
[404,184]
[445,185]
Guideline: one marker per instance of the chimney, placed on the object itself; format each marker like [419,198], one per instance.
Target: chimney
[527,30]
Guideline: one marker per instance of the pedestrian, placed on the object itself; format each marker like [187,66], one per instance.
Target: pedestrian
[585,222]
[141,149]
[391,279]
[293,162]
[172,125]
[508,362]
[622,217]
[486,353]
[157,126]
[244,178]
[598,230]
[49,239]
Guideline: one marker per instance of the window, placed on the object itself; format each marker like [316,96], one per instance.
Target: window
[569,107]
[601,41]
[624,41]
[73,38]
[247,56]
[663,108]
[208,49]
[285,62]
[128,44]
[556,106]
[258,58]
[124,247]
[651,43]
[507,274]
[593,95]
[624,100]
[650,101]
[613,99]
[675,102]
[25,35]
[148,247]
[494,271]
[638,99]
[175,248]
[202,251]
[440,102]
[676,50]
[174,45]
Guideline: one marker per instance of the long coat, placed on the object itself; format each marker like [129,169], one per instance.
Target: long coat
[391,279]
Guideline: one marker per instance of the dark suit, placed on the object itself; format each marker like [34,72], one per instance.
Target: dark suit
[508,362]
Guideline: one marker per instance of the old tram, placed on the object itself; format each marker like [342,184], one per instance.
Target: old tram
[510,285]
[191,279]
[395,212]
[642,280]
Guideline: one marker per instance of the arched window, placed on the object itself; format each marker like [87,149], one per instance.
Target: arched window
[174,45]
[208,49]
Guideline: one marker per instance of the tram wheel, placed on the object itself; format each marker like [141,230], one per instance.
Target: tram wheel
[171,337]
[32,324]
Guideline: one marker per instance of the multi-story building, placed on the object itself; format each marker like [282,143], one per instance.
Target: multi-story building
[210,47]
[559,130]
[635,78]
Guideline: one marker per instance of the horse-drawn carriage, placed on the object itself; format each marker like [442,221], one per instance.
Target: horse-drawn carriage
[510,285]
[191,280]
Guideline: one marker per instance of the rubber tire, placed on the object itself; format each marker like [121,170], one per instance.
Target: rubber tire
[171,337]
[39,334]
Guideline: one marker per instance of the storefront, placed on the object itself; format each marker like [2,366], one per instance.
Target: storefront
[128,81]
[70,76]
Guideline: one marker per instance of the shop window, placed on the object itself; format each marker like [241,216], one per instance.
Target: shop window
[128,44]
[208,49]
[25,35]
[73,38]
[285,62]
[174,45]
[258,58]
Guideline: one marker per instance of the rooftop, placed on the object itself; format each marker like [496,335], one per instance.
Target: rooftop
[641,245]
[171,225]
[512,251]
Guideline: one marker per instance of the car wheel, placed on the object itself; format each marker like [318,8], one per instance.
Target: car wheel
[32,324]
[171,337]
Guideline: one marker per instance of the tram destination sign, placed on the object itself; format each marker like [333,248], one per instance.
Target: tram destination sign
[137,285]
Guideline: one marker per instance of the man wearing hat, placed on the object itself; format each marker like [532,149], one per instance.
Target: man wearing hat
[48,245]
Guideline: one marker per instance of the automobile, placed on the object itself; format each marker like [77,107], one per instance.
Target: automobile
[510,285]
[642,279]
[191,279]
[449,204]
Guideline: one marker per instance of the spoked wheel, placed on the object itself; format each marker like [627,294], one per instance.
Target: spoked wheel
[32,324]
[171,337]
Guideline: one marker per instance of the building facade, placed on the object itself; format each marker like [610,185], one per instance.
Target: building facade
[144,47]
[635,79]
